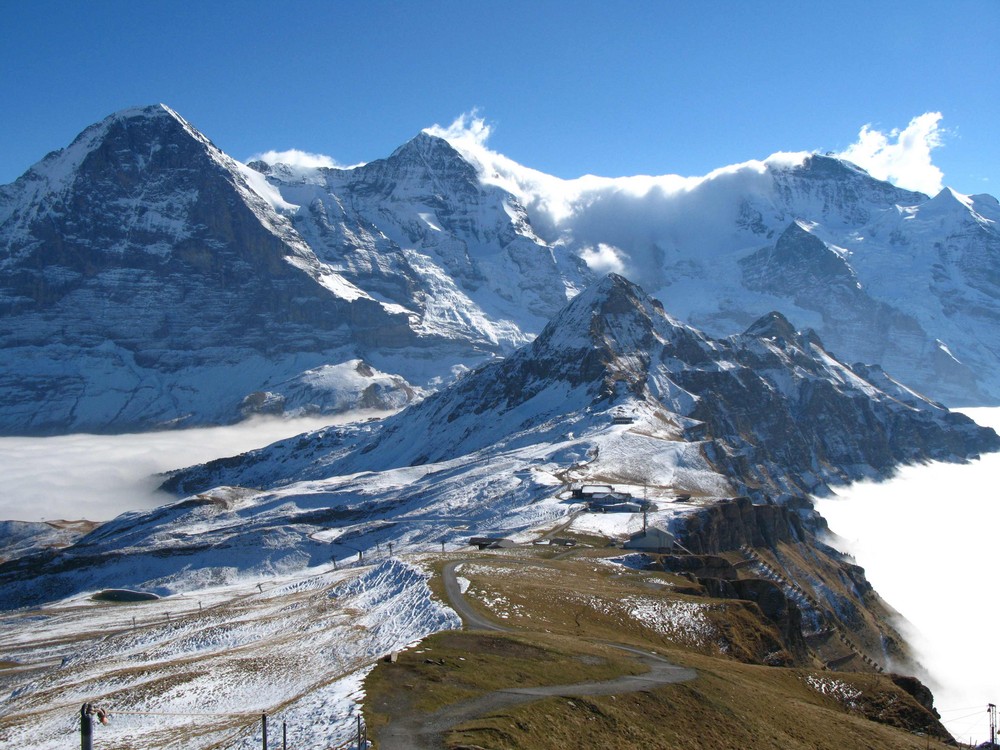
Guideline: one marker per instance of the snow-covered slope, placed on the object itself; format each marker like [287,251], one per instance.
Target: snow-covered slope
[890,276]
[205,669]
[767,412]
[771,408]
[146,278]
[420,229]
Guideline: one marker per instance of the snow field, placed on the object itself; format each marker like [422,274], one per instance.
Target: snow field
[840,691]
[297,650]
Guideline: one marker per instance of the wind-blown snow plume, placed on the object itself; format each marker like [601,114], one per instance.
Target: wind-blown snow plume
[605,215]
[296,158]
[903,157]
[603,258]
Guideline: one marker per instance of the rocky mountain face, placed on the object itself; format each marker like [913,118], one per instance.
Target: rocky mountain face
[612,387]
[884,275]
[420,229]
[901,285]
[148,279]
[770,409]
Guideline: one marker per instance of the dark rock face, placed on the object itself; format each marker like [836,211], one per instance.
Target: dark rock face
[699,566]
[821,424]
[770,410]
[732,524]
[773,604]
[145,258]
[717,577]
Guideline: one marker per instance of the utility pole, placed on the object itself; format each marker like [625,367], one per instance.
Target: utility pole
[284,735]
[263,726]
[992,710]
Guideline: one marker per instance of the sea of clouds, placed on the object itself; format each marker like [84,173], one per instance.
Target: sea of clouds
[98,477]
[928,540]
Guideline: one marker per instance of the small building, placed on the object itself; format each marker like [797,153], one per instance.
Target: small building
[589,490]
[616,506]
[654,538]
[491,542]
[561,541]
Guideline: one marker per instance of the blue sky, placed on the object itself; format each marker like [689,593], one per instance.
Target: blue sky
[568,88]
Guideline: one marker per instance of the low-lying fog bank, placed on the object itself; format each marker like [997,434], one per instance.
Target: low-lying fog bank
[99,476]
[928,541]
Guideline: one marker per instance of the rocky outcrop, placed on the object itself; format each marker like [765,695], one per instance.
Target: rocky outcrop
[773,604]
[148,279]
[770,410]
[733,524]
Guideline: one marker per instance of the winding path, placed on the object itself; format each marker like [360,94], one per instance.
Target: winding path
[426,732]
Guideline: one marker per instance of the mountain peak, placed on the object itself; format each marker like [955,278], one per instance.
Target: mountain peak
[141,131]
[947,200]
[425,165]
[772,325]
[611,315]
[614,289]
[430,148]
[151,111]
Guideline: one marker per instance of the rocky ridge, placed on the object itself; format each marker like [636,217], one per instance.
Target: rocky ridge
[151,280]
[770,409]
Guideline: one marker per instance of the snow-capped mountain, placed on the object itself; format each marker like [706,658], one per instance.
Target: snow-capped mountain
[148,279]
[765,412]
[770,409]
[884,275]
[420,229]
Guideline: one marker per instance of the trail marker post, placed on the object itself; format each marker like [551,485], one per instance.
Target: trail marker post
[86,728]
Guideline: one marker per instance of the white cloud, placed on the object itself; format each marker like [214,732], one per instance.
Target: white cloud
[903,157]
[604,258]
[891,526]
[99,476]
[296,158]
[468,128]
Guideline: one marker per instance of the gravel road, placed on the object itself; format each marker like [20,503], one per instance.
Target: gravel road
[426,732]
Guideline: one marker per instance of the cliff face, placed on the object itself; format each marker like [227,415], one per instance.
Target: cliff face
[730,525]
[778,546]
[148,280]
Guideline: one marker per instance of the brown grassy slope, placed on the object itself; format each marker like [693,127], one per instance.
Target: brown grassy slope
[729,706]
[560,607]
